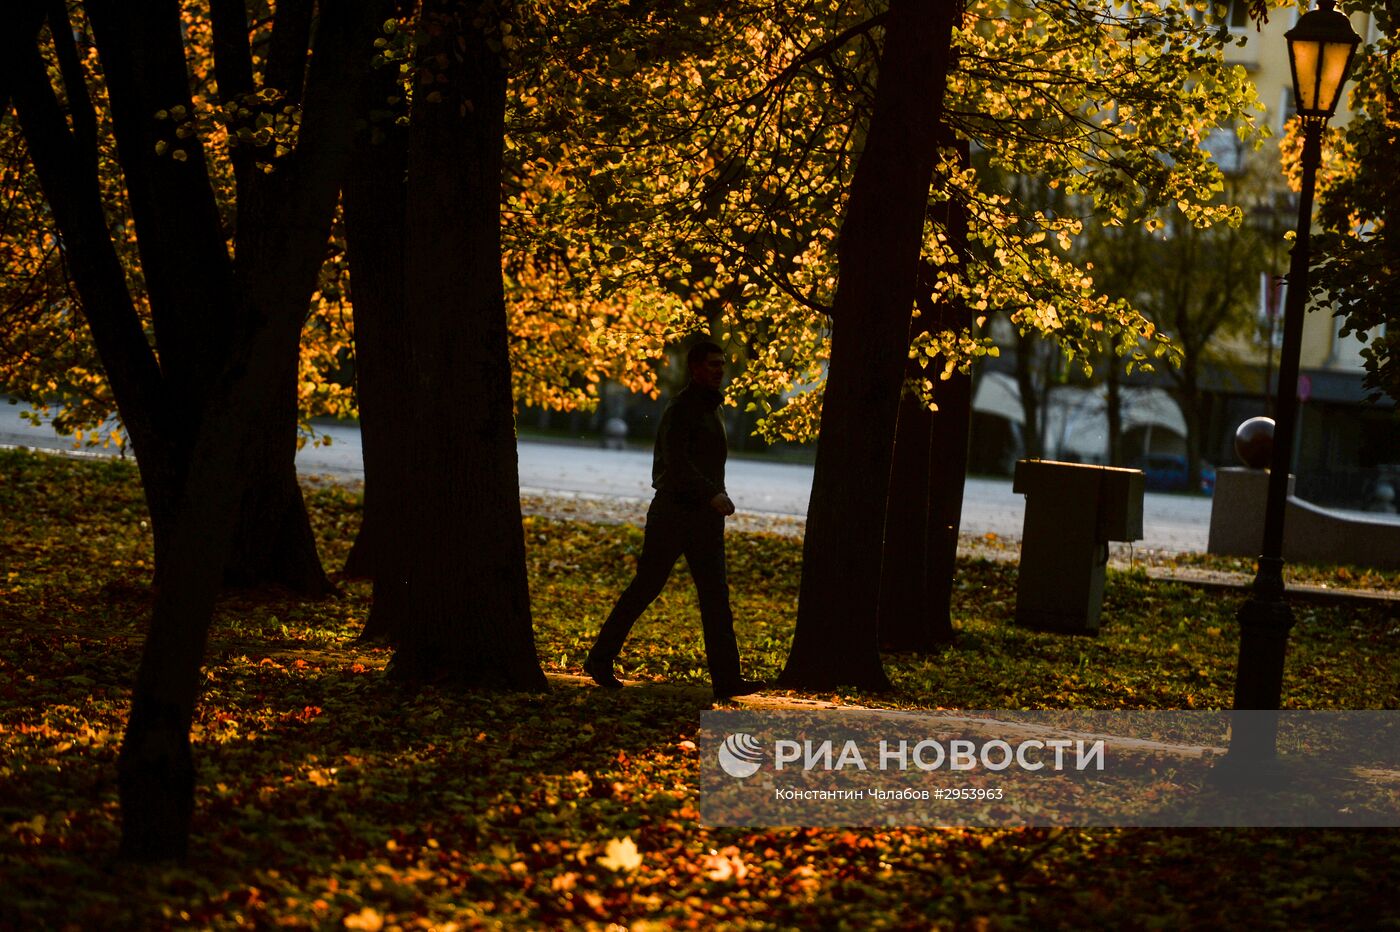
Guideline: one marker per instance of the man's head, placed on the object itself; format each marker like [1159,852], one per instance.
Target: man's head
[706,364]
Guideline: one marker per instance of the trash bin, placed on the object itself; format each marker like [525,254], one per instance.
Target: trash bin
[615,434]
[1072,512]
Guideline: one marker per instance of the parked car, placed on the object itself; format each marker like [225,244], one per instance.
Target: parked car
[1166,472]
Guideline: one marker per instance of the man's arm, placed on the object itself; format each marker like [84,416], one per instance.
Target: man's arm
[684,475]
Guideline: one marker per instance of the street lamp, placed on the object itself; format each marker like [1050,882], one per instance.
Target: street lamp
[1320,50]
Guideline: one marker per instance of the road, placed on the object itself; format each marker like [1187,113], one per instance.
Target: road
[1170,522]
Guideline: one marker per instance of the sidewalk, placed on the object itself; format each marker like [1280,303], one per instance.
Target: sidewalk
[1159,565]
[584,483]
[775,494]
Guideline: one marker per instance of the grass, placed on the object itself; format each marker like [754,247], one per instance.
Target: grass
[330,798]
[1329,575]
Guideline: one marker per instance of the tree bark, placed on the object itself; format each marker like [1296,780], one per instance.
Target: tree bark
[1390,230]
[903,563]
[951,437]
[467,606]
[1032,442]
[200,296]
[67,167]
[924,507]
[283,228]
[836,639]
[155,769]
[1113,407]
[273,543]
[375,201]
[1189,399]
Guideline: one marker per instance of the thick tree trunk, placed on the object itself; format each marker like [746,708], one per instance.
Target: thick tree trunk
[836,639]
[467,606]
[375,211]
[359,562]
[924,508]
[273,541]
[186,266]
[282,236]
[155,770]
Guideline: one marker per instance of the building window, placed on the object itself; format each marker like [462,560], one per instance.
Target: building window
[1227,149]
[1238,16]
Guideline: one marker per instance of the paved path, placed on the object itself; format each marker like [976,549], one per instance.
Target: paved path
[1171,522]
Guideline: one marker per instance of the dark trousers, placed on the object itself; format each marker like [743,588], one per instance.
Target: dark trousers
[674,528]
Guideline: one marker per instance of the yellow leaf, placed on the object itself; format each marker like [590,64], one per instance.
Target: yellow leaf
[621,856]
[366,920]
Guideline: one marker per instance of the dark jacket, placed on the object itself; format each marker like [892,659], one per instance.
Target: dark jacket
[691,447]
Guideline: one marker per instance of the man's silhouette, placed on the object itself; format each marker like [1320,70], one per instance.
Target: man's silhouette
[686,517]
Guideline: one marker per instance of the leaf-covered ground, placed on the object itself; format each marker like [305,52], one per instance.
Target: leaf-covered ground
[330,798]
[1331,576]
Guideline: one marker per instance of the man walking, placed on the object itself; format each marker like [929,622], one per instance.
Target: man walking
[686,517]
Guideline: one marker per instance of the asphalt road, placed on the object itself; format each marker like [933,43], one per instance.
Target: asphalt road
[1170,522]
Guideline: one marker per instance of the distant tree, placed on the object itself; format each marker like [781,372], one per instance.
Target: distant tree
[1199,285]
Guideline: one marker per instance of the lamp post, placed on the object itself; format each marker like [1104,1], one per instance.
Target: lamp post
[1320,50]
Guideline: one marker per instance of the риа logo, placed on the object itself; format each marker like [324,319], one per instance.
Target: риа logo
[740,755]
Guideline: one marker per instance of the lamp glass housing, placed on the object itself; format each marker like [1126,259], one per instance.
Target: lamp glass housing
[1320,50]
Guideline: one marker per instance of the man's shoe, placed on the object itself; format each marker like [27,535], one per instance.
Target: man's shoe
[602,673]
[741,688]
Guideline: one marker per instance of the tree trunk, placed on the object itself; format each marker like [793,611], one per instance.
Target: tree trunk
[924,507]
[1390,155]
[199,299]
[155,770]
[1031,445]
[952,433]
[283,229]
[66,163]
[836,638]
[467,605]
[1189,398]
[1113,406]
[375,203]
[273,541]
[904,605]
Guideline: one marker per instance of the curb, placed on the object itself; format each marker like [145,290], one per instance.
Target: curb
[1318,595]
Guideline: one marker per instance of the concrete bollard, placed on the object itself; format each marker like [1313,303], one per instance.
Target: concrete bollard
[1072,512]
